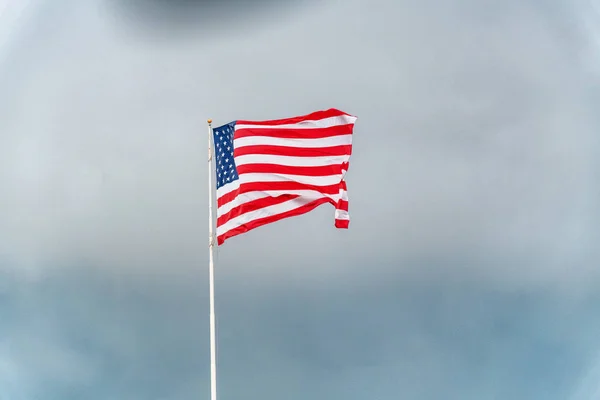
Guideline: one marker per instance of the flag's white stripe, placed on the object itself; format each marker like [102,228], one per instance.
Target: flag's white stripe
[308,124]
[262,213]
[239,200]
[342,214]
[228,188]
[290,161]
[251,196]
[341,140]
[235,185]
[344,194]
[324,180]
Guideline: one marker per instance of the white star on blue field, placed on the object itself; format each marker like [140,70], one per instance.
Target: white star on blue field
[225,170]
[470,270]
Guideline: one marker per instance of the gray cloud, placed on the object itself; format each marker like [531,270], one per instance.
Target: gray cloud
[139,337]
[469,264]
[185,18]
[483,161]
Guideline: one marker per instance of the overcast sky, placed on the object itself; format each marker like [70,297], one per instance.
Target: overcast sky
[471,266]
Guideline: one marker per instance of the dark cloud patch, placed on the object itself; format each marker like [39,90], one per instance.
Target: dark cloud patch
[179,17]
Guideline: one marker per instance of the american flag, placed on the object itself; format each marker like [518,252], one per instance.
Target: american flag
[270,170]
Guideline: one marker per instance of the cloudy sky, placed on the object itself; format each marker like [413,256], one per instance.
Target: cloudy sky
[470,269]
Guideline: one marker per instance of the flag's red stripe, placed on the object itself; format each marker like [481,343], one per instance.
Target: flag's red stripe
[272,218]
[342,205]
[317,115]
[293,151]
[253,206]
[342,223]
[325,170]
[266,186]
[296,133]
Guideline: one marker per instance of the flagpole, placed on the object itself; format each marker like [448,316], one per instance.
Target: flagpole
[211,272]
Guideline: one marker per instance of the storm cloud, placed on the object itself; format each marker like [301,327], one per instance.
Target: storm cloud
[470,266]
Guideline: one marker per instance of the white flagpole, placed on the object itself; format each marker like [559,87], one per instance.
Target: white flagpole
[211,272]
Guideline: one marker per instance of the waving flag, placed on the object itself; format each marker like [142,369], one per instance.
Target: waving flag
[270,170]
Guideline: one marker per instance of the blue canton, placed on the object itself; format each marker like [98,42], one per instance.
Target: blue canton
[225,165]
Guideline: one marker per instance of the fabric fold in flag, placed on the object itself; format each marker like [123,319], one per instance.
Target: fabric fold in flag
[270,170]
